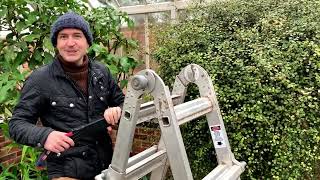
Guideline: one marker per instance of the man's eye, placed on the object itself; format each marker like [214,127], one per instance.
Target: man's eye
[62,37]
[78,36]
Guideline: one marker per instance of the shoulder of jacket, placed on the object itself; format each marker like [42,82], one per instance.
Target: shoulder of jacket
[39,74]
[98,66]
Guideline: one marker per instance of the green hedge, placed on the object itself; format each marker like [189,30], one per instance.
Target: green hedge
[263,57]
[29,24]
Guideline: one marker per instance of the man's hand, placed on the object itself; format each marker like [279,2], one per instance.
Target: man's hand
[58,142]
[112,115]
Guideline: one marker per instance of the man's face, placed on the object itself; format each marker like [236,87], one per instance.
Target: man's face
[72,45]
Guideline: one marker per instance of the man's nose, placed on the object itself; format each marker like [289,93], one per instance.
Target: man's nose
[70,42]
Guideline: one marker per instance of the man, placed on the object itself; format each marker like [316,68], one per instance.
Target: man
[70,92]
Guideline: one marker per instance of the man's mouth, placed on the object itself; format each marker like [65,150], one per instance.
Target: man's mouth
[71,51]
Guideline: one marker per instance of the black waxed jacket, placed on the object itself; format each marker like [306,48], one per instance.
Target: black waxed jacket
[53,97]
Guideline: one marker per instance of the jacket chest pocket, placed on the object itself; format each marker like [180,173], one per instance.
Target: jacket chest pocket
[101,101]
[63,107]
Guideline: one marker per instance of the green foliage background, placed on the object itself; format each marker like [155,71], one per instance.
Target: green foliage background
[263,58]
[29,23]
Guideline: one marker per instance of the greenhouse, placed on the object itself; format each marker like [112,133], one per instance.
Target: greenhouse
[159,89]
[145,13]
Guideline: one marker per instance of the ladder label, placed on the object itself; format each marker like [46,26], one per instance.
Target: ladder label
[217,136]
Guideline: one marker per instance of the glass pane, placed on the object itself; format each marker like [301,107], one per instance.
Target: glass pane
[137,33]
[159,17]
[138,19]
[157,1]
[131,2]
[140,2]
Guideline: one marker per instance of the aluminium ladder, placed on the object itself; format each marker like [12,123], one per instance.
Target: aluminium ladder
[171,111]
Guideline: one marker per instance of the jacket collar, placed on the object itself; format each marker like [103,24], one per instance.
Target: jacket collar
[57,68]
[96,72]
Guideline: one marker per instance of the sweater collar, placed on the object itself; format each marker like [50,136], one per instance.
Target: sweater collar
[94,71]
[71,67]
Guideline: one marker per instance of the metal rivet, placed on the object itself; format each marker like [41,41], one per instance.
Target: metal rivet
[53,103]
[84,153]
[90,97]
[101,98]
[71,105]
[101,87]
[58,154]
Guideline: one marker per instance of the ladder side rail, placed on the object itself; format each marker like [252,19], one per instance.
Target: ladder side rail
[195,74]
[171,132]
[168,123]
[222,146]
[214,118]
[161,171]
[126,131]
[180,87]
[224,154]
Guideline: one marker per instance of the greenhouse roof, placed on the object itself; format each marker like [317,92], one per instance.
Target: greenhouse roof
[143,6]
[142,11]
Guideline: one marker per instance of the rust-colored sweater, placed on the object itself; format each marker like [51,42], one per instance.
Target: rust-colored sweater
[79,74]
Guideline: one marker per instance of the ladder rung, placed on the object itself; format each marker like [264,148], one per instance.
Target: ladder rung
[233,172]
[148,109]
[142,155]
[192,109]
[216,172]
[146,165]
[225,172]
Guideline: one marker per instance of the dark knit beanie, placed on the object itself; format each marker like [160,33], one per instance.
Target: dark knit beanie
[70,20]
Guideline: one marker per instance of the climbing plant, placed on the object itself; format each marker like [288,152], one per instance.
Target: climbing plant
[27,46]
